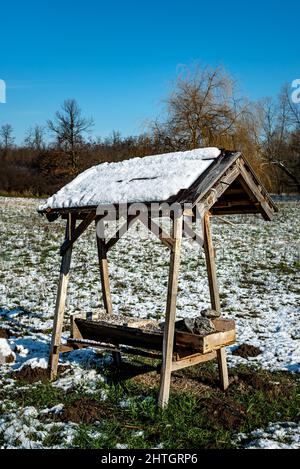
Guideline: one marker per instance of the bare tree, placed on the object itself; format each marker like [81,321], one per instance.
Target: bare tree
[68,128]
[6,135]
[293,109]
[201,110]
[280,124]
[35,138]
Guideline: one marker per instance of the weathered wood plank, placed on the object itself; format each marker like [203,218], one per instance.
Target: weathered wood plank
[255,194]
[184,342]
[210,264]
[102,332]
[216,192]
[193,360]
[190,343]
[246,163]
[223,325]
[223,371]
[217,340]
[60,307]
[74,331]
[72,344]
[239,203]
[188,212]
[104,273]
[207,180]
[235,210]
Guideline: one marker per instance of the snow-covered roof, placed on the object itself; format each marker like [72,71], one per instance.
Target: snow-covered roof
[148,179]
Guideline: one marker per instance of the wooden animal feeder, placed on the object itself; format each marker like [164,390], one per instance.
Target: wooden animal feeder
[205,181]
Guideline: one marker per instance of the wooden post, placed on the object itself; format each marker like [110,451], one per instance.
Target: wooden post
[60,302]
[169,329]
[223,370]
[104,275]
[214,293]
[210,264]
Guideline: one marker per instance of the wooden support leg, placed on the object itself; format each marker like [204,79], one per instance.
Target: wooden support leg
[59,313]
[104,274]
[211,265]
[106,295]
[214,294]
[223,371]
[168,340]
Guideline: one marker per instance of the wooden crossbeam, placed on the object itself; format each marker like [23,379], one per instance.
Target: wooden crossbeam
[193,360]
[75,344]
[235,210]
[216,192]
[77,232]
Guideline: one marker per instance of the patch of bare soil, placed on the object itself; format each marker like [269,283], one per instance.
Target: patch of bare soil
[4,333]
[127,370]
[10,358]
[223,412]
[178,383]
[31,375]
[246,350]
[148,377]
[84,410]
[263,383]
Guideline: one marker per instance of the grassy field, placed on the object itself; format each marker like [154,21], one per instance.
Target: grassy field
[94,405]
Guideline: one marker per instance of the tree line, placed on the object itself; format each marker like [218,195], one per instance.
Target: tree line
[204,108]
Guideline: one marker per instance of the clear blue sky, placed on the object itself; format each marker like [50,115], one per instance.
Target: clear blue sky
[118,58]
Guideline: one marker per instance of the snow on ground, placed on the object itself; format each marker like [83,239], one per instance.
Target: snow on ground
[152,178]
[22,429]
[258,268]
[6,352]
[281,435]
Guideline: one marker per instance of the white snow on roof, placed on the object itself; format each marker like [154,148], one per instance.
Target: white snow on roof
[5,350]
[151,178]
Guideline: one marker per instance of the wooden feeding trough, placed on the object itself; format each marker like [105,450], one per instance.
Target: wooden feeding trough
[223,184]
[188,348]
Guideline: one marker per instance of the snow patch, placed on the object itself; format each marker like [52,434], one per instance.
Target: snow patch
[22,429]
[53,410]
[5,349]
[280,435]
[35,363]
